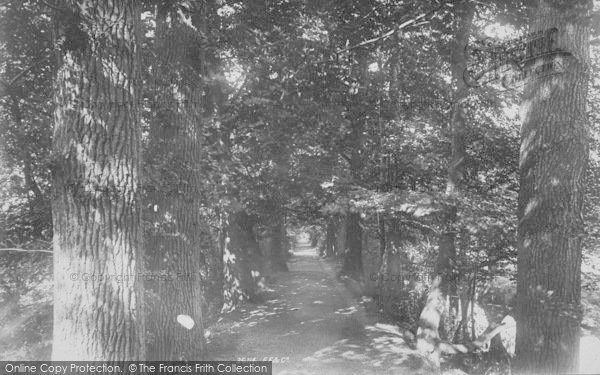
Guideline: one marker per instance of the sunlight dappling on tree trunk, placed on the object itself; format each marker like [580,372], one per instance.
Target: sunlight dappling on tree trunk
[554,154]
[242,266]
[96,203]
[176,237]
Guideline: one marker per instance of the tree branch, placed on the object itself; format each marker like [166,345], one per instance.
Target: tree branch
[27,250]
[395,29]
[57,8]
[9,84]
[345,157]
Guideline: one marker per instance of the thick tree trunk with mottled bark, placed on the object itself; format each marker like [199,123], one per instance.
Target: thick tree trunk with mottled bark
[98,293]
[443,278]
[177,234]
[242,263]
[278,257]
[210,69]
[554,153]
[273,248]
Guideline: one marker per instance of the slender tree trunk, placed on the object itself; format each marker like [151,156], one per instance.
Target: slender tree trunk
[39,204]
[330,245]
[341,229]
[98,295]
[444,281]
[394,91]
[30,183]
[233,294]
[352,264]
[382,236]
[177,233]
[554,154]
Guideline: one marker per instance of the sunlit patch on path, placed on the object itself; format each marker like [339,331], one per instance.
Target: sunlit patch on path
[347,311]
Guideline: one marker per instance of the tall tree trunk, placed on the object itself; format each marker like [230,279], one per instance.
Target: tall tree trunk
[177,233]
[381,234]
[553,160]
[210,68]
[444,282]
[395,82]
[352,264]
[30,183]
[39,204]
[98,295]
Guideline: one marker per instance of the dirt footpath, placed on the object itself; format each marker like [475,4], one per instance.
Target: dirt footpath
[309,323]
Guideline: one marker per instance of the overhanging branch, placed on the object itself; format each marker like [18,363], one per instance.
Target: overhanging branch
[396,29]
[27,250]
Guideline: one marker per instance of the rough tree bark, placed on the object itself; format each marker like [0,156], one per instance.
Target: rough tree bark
[444,276]
[177,233]
[96,201]
[206,20]
[554,153]
[243,267]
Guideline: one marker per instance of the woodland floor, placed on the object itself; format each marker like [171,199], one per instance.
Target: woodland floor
[312,324]
[307,321]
